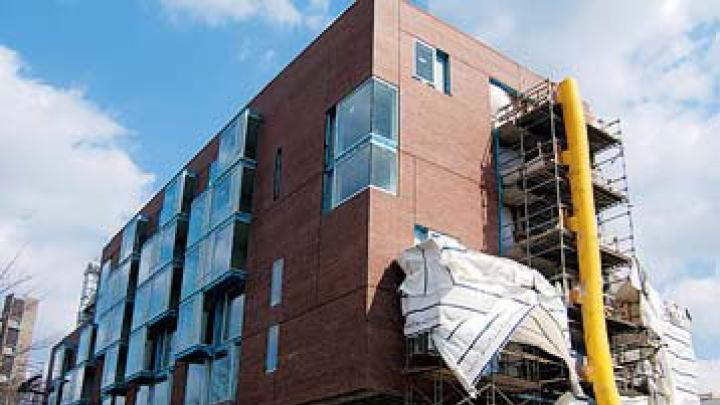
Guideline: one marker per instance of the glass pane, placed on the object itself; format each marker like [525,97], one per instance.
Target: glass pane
[136,352]
[141,306]
[198,218]
[222,199]
[58,360]
[219,379]
[424,62]
[251,134]
[109,374]
[160,301]
[229,145]
[84,345]
[161,393]
[385,110]
[129,237]
[353,118]
[234,317]
[143,396]
[79,377]
[119,279]
[352,174]
[276,282]
[171,200]
[167,244]
[384,168]
[190,276]
[148,258]
[222,250]
[190,323]
[195,384]
[271,359]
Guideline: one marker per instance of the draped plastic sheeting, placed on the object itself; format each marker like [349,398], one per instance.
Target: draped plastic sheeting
[675,361]
[473,304]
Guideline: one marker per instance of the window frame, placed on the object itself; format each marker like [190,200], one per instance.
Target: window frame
[276,282]
[371,140]
[442,84]
[272,349]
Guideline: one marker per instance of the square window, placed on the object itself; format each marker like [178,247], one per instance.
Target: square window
[384,168]
[354,118]
[424,62]
[352,174]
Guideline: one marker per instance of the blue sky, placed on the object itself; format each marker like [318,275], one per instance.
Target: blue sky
[102,102]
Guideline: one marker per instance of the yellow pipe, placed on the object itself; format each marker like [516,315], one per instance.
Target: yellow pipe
[584,224]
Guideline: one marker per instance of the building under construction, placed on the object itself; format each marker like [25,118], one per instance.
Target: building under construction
[402,216]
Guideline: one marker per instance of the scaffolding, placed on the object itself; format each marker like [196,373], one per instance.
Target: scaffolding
[91,279]
[518,374]
[534,210]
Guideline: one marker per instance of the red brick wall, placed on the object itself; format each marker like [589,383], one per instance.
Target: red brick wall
[446,172]
[322,342]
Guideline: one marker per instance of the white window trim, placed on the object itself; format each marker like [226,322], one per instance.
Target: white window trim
[415,65]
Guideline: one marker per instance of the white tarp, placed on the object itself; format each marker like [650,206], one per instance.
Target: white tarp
[473,304]
[675,361]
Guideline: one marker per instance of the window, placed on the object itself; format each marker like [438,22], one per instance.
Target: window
[432,66]
[278,174]
[163,344]
[167,242]
[84,346]
[110,366]
[137,360]
[174,196]
[423,233]
[276,282]
[442,71]
[190,323]
[424,62]
[161,291]
[361,143]
[141,307]
[238,139]
[196,384]
[198,225]
[148,257]
[130,238]
[271,356]
[234,316]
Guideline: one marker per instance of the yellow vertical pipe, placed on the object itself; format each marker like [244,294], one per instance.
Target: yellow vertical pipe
[586,230]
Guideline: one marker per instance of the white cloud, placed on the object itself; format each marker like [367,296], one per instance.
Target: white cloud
[314,15]
[654,64]
[67,185]
[709,380]
[215,12]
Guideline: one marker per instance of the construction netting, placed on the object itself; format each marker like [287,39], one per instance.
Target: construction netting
[472,304]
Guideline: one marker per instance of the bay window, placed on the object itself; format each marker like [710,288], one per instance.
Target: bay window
[361,143]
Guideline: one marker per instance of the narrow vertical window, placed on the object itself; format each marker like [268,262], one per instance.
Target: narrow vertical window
[442,71]
[271,359]
[276,282]
[278,174]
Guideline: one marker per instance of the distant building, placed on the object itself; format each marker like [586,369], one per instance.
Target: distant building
[16,329]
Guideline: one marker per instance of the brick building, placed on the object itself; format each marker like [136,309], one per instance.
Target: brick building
[17,322]
[263,272]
